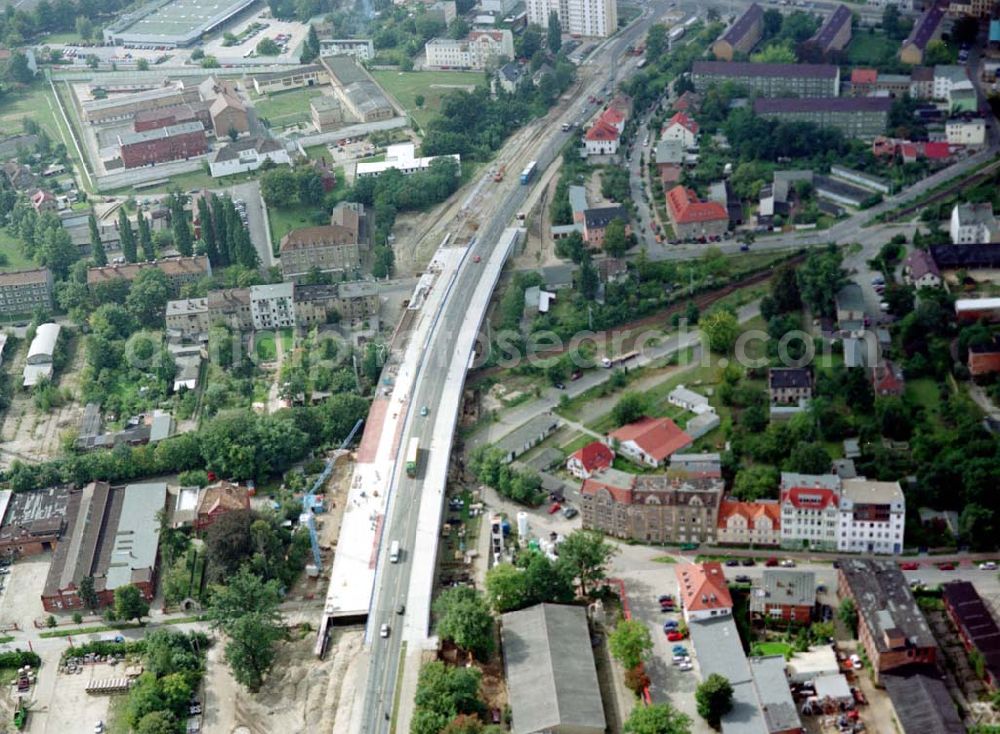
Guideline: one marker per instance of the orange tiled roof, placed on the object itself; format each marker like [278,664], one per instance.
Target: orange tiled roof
[658,437]
[703,586]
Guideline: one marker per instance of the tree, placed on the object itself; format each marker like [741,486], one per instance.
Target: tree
[938,52]
[179,225]
[142,65]
[465,619]
[530,41]
[279,188]
[147,299]
[554,33]
[657,718]
[458,28]
[847,613]
[586,555]
[755,482]
[977,524]
[722,329]
[88,594]
[130,603]
[268,47]
[250,648]
[631,407]
[820,278]
[444,693]
[145,238]
[18,71]
[715,698]
[464,724]
[157,722]
[615,243]
[772,22]
[84,28]
[808,458]
[57,252]
[97,253]
[127,236]
[891,25]
[630,643]
[419,100]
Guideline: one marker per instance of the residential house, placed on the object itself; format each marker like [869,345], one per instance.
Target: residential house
[984,359]
[669,161]
[652,508]
[968,310]
[722,193]
[353,303]
[850,304]
[362,49]
[217,500]
[527,436]
[509,76]
[922,82]
[769,80]
[965,132]
[887,379]
[683,128]
[689,400]
[871,517]
[976,626]
[248,154]
[601,138]
[649,441]
[920,270]
[782,595]
[856,117]
[272,306]
[749,523]
[42,201]
[476,51]
[927,28]
[809,514]
[948,77]
[973,224]
[835,32]
[583,462]
[179,271]
[596,221]
[789,384]
[891,628]
[703,590]
[188,318]
[742,35]
[231,308]
[23,292]
[330,248]
[692,218]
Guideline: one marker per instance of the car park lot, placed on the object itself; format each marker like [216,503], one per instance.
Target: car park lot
[20,600]
[66,706]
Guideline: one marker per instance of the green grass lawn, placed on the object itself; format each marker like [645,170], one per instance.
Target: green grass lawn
[772,648]
[10,249]
[264,347]
[70,37]
[286,108]
[868,49]
[432,85]
[287,340]
[283,221]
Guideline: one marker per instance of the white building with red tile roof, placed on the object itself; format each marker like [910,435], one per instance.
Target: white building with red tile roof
[809,511]
[749,523]
[703,591]
[602,137]
[681,127]
[588,459]
[650,441]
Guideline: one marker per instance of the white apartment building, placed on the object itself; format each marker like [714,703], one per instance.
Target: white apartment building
[272,306]
[948,76]
[809,514]
[360,48]
[972,224]
[475,51]
[965,132]
[594,18]
[871,517]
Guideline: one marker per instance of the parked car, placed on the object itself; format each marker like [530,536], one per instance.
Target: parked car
[670,624]
[570,512]
[771,562]
[424,411]
[855,662]
[554,508]
[743,579]
[909,566]
[675,636]
[686,666]
[748,562]
[559,386]
[384,630]
[988,566]
[787,563]
[678,659]
[732,562]
[400,608]
[680,650]
[947,566]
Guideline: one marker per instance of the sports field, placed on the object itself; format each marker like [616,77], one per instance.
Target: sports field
[406,86]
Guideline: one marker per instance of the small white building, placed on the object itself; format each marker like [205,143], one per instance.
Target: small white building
[946,77]
[403,158]
[248,155]
[689,400]
[360,48]
[272,306]
[41,353]
[973,224]
[683,128]
[965,132]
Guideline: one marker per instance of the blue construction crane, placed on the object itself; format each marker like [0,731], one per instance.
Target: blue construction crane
[310,503]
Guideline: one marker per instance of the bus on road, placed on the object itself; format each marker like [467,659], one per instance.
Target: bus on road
[412,456]
[529,172]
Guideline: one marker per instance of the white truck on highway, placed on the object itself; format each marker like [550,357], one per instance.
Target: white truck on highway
[394,552]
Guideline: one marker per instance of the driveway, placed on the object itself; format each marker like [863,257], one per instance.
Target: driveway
[260,234]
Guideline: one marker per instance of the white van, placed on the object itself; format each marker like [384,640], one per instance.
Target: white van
[394,552]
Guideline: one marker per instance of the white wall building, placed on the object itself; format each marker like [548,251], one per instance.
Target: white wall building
[475,51]
[272,306]
[401,157]
[972,224]
[871,517]
[809,514]
[945,77]
[248,154]
[593,18]
[965,132]
[689,400]
[360,48]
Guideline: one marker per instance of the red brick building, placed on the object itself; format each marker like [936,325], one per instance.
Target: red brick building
[218,500]
[984,359]
[784,595]
[172,143]
[169,116]
[975,625]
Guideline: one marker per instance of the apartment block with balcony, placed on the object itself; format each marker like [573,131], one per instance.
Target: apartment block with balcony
[24,291]
[272,306]
[864,118]
[769,80]
[871,517]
